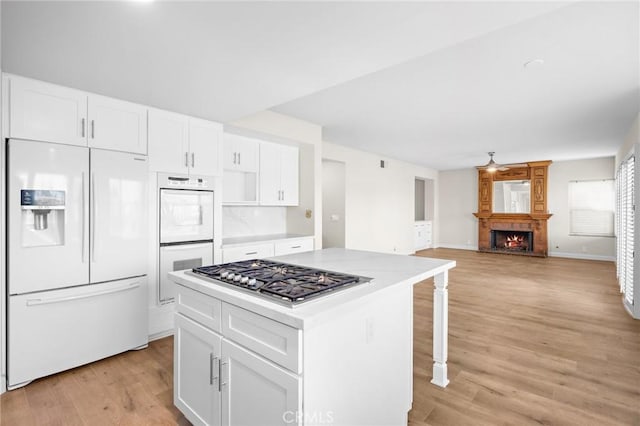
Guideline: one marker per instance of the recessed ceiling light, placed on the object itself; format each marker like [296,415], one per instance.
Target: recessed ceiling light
[534,63]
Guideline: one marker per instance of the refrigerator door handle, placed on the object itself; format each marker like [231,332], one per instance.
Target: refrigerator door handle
[92,234]
[35,302]
[84,217]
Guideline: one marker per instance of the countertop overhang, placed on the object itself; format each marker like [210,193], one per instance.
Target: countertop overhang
[386,270]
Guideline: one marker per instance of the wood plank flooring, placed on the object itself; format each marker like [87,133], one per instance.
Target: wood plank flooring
[531,341]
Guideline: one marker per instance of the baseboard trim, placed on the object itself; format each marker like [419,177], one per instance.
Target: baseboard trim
[457,246]
[582,256]
[161,335]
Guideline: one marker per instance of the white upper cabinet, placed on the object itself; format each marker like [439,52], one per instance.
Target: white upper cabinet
[46,112]
[184,145]
[117,125]
[240,163]
[278,175]
[168,142]
[240,153]
[205,147]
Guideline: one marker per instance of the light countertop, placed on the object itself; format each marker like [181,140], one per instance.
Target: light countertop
[387,271]
[242,241]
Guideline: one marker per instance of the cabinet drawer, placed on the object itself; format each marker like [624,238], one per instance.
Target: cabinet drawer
[271,339]
[296,246]
[256,251]
[199,307]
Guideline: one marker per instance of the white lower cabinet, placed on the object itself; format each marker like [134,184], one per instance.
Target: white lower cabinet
[196,386]
[214,378]
[275,394]
[347,366]
[267,249]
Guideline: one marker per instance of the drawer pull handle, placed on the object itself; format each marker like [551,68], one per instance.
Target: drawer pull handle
[251,252]
[295,247]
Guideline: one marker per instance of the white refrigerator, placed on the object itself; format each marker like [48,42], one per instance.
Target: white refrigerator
[76,257]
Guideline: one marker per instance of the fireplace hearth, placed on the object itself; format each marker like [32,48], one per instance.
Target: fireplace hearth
[511,241]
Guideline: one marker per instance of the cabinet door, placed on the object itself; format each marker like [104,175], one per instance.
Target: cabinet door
[205,146]
[240,153]
[289,175]
[196,379]
[275,395]
[168,142]
[117,125]
[248,153]
[46,112]
[229,153]
[270,165]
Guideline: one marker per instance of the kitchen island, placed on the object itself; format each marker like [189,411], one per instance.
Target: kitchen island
[344,358]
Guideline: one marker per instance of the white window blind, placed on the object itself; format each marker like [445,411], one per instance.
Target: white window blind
[591,207]
[625,214]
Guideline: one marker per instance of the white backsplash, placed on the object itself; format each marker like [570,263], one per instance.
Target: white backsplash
[247,221]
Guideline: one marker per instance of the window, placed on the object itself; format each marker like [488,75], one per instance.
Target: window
[591,207]
[625,210]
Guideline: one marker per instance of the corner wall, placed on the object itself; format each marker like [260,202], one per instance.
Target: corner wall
[379,209]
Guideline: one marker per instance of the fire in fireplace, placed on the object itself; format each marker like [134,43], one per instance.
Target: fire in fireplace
[512,241]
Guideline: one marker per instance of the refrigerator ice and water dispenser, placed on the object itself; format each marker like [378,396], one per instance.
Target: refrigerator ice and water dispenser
[42,217]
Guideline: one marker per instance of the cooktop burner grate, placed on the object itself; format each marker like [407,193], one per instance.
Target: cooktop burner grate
[290,284]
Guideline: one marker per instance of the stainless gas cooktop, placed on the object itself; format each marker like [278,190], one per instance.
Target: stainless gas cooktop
[281,282]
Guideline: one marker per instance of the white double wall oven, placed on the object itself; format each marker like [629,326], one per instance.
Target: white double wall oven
[186,232]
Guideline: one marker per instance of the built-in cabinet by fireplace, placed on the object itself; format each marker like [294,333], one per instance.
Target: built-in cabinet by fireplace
[512,209]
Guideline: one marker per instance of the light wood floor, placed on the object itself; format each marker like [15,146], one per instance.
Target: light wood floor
[531,341]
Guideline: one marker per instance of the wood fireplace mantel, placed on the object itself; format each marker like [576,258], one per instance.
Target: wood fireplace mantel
[535,222]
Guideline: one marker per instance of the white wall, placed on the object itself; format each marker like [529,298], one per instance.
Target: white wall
[379,210]
[560,242]
[333,203]
[308,137]
[458,200]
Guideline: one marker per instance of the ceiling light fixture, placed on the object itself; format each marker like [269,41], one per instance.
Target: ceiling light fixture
[492,166]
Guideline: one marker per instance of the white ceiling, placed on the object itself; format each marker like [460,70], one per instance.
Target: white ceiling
[434,83]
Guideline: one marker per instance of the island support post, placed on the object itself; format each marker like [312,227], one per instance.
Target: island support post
[440,328]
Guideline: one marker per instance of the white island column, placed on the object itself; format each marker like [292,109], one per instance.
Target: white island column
[440,328]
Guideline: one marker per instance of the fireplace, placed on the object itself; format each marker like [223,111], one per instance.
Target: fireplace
[512,231]
[511,241]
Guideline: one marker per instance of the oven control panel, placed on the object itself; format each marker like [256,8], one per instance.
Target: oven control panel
[184,182]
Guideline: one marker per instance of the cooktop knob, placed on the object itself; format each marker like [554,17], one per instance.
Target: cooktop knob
[252,282]
[224,274]
[230,276]
[237,277]
[244,280]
